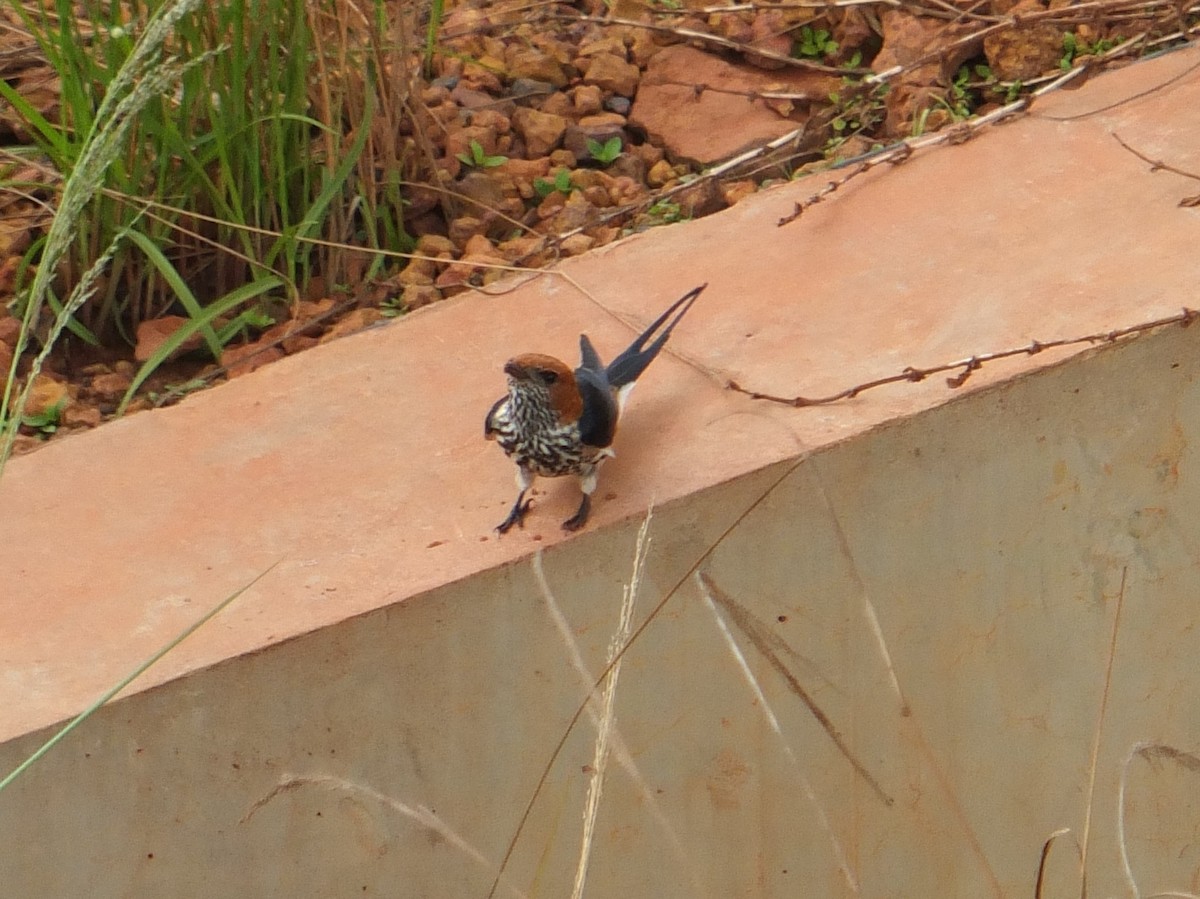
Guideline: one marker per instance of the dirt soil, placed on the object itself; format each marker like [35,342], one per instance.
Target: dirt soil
[559,127]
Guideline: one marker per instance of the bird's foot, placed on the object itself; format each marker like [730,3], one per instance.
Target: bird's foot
[516,515]
[579,519]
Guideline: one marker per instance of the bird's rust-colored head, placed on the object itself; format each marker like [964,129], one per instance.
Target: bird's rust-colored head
[541,372]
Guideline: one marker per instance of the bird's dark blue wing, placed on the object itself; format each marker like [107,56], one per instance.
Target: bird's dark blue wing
[488,426]
[598,421]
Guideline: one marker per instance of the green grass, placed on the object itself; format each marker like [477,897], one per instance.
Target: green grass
[272,157]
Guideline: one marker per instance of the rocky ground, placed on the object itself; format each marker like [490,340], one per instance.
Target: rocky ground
[553,128]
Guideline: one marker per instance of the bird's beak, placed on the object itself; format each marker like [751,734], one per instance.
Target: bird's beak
[514,370]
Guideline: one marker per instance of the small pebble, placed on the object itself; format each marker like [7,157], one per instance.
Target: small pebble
[522,88]
[619,105]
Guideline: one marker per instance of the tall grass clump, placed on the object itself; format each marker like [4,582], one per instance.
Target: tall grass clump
[142,77]
[274,160]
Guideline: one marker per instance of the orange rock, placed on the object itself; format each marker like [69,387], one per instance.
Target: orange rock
[1019,54]
[435,245]
[769,31]
[493,119]
[465,227]
[110,385]
[10,328]
[46,394]
[415,296]
[735,191]
[520,247]
[478,245]
[8,273]
[541,131]
[612,74]
[298,343]
[577,244]
[587,99]
[530,62]
[459,141]
[81,417]
[713,125]
[151,335]
[241,360]
[355,320]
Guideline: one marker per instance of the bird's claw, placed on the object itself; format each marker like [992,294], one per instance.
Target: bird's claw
[579,519]
[515,516]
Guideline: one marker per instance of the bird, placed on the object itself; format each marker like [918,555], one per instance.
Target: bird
[555,422]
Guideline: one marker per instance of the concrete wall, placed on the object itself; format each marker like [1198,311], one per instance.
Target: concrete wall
[926,614]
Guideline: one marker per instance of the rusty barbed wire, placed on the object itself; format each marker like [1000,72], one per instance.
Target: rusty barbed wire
[1157,165]
[968,366]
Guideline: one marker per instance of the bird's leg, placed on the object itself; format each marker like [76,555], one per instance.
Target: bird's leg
[516,515]
[579,519]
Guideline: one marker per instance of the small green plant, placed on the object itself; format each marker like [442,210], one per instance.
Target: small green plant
[561,183]
[962,98]
[921,121]
[666,212]
[172,392]
[480,159]
[243,323]
[1011,91]
[606,152]
[856,111]
[47,421]
[393,306]
[436,11]
[814,43]
[1070,45]
[1073,48]
[667,4]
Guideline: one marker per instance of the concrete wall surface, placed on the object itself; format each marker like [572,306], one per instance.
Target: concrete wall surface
[894,667]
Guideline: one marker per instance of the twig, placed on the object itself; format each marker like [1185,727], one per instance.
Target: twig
[768,646]
[764,705]
[604,727]
[972,363]
[421,815]
[802,4]
[633,638]
[1157,165]
[895,154]
[717,40]
[1094,763]
[1045,857]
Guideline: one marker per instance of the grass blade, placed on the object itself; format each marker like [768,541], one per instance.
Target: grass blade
[130,678]
[230,301]
[182,291]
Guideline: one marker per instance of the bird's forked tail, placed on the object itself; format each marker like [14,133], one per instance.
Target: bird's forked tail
[628,366]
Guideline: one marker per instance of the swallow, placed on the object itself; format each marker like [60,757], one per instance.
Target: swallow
[555,422]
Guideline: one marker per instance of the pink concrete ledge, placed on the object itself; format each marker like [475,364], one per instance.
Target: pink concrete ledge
[359,468]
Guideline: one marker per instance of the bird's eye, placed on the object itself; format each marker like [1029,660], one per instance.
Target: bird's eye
[549,376]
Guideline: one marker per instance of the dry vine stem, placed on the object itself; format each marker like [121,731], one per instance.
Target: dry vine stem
[970,364]
[900,151]
[1157,165]
[954,134]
